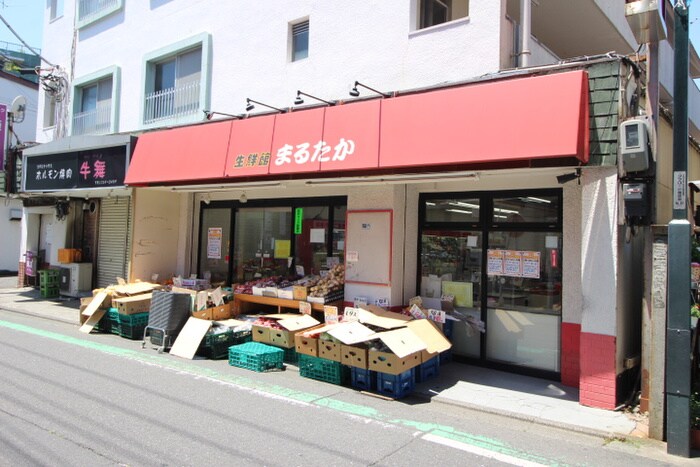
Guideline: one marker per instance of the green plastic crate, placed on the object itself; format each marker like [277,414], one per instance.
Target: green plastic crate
[49,292]
[132,332]
[137,319]
[255,356]
[290,355]
[323,369]
[113,316]
[215,346]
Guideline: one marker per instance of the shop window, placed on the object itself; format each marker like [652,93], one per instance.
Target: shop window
[452,210]
[434,12]
[520,209]
[177,78]
[262,243]
[89,11]
[300,41]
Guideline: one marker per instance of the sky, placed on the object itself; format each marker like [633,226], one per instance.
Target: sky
[26,18]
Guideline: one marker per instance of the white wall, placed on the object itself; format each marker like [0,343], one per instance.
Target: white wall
[155,235]
[25,130]
[11,233]
[250,48]
[599,250]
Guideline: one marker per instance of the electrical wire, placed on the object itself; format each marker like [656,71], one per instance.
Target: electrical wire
[2,18]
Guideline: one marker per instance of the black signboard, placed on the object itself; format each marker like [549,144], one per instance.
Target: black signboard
[95,168]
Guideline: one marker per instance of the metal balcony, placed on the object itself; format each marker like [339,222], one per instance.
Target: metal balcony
[89,9]
[93,122]
[172,102]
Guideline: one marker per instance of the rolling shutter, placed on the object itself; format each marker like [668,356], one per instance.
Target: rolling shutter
[114,240]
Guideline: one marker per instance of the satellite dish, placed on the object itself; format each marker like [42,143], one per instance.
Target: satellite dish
[19,105]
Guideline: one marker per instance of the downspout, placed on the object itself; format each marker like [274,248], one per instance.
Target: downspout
[525,27]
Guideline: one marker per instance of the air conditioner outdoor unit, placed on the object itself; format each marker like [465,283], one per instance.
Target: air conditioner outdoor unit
[75,279]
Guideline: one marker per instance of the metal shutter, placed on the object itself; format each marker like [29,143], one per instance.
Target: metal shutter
[114,240]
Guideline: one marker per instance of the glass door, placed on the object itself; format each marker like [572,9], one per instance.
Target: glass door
[215,235]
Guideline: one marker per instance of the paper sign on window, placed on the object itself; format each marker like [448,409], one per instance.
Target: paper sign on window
[214,235]
[495,262]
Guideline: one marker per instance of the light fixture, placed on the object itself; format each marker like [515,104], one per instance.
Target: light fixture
[397,178]
[243,199]
[355,93]
[565,178]
[299,100]
[226,187]
[209,114]
[250,105]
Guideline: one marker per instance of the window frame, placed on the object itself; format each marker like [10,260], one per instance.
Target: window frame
[81,23]
[418,7]
[55,8]
[293,39]
[93,79]
[163,54]
[49,118]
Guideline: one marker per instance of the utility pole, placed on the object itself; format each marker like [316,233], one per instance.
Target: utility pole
[678,362]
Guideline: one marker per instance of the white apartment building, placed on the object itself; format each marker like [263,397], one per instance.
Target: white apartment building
[436,147]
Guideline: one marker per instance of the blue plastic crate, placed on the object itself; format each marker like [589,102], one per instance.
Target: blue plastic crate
[323,369]
[445,357]
[427,370]
[255,356]
[363,379]
[448,329]
[396,386]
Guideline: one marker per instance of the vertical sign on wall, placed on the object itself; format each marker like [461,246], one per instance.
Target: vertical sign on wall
[298,218]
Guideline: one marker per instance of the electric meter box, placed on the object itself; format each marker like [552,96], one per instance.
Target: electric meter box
[634,145]
[636,197]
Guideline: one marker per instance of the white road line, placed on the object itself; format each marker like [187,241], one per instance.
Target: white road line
[480,451]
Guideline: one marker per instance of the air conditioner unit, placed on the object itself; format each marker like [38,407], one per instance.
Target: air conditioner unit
[75,279]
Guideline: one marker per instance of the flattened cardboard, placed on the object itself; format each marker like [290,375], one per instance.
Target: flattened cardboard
[95,305]
[298,322]
[352,333]
[92,320]
[231,323]
[190,338]
[135,288]
[429,333]
[402,342]
[381,318]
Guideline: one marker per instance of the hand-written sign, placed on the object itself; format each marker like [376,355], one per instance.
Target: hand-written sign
[330,314]
[350,314]
[436,315]
[305,308]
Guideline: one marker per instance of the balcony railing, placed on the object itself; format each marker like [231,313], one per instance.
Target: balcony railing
[172,102]
[93,122]
[91,8]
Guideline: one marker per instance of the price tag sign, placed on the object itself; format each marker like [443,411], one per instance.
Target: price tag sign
[416,312]
[350,314]
[305,308]
[330,314]
[359,301]
[382,302]
[436,315]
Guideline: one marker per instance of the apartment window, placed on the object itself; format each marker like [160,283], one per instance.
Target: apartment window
[90,11]
[176,87]
[434,12]
[55,9]
[300,41]
[94,114]
[49,110]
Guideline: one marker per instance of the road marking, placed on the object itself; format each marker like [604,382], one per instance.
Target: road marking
[480,451]
[433,432]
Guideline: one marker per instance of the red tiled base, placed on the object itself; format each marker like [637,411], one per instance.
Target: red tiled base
[597,387]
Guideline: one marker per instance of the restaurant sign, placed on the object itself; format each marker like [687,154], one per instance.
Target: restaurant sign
[95,168]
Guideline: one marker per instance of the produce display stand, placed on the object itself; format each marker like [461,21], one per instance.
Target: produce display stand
[250,304]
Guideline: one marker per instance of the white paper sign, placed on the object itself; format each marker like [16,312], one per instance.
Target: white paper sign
[214,235]
[317,235]
[352,257]
[551,241]
[350,314]
[382,302]
[330,314]
[305,308]
[416,312]
[359,301]
[436,315]
[471,241]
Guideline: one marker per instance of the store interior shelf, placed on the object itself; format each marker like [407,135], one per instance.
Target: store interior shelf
[244,304]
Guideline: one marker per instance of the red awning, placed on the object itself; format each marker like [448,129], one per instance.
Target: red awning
[500,121]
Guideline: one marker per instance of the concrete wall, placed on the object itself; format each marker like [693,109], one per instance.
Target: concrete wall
[155,235]
[11,233]
[26,129]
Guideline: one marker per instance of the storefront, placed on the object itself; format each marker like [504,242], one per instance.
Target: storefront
[75,198]
[460,191]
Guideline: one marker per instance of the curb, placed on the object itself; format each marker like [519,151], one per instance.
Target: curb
[39,315]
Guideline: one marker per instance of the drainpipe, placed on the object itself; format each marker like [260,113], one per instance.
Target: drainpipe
[525,26]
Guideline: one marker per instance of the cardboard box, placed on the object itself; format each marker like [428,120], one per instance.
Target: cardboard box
[390,363]
[306,345]
[69,255]
[329,350]
[354,355]
[261,334]
[132,305]
[215,313]
[300,292]
[282,338]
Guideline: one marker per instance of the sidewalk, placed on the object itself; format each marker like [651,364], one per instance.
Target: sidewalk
[522,397]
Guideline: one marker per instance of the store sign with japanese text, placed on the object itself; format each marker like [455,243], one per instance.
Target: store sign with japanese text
[98,168]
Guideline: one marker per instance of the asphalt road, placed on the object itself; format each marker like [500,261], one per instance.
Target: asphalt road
[67,398]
